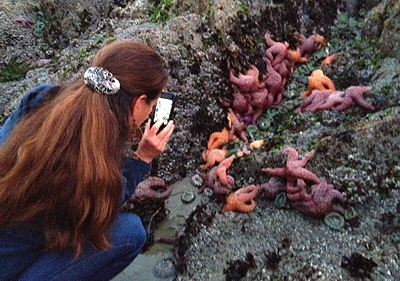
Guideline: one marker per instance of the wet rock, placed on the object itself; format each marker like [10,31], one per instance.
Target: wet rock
[382,23]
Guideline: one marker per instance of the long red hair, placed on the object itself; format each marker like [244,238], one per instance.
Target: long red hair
[61,166]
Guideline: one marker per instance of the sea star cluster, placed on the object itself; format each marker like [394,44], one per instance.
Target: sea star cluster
[217,178]
[322,199]
[254,92]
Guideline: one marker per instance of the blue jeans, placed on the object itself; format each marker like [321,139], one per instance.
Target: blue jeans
[22,258]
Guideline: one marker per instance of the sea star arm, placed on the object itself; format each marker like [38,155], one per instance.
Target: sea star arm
[357,94]
[223,167]
[303,173]
[218,139]
[294,167]
[306,157]
[280,172]
[237,127]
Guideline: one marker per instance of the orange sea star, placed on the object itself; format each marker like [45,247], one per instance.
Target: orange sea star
[242,200]
[295,57]
[218,139]
[225,165]
[318,81]
[212,156]
[329,59]
[256,144]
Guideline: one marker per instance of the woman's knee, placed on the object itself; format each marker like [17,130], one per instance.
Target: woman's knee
[129,231]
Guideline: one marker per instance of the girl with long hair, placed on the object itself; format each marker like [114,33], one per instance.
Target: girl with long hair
[64,175]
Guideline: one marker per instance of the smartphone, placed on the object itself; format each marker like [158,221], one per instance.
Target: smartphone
[164,109]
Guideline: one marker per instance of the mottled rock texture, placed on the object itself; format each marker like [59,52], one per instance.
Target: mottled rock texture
[356,150]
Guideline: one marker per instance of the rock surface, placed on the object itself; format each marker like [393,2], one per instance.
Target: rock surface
[356,150]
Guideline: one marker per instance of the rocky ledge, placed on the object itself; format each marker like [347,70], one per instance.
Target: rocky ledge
[356,150]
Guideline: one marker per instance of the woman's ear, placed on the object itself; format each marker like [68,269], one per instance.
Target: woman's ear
[137,103]
[137,106]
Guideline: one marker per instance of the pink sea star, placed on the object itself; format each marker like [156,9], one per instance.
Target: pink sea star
[294,167]
[259,101]
[248,82]
[237,127]
[332,101]
[310,44]
[274,85]
[313,101]
[241,103]
[277,51]
[336,100]
[356,94]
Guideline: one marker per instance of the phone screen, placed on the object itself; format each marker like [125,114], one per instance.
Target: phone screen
[163,110]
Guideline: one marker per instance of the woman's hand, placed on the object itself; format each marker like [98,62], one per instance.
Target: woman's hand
[152,144]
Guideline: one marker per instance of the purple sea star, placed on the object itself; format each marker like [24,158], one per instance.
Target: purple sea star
[211,181]
[152,188]
[310,44]
[271,189]
[23,21]
[319,202]
[274,82]
[237,127]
